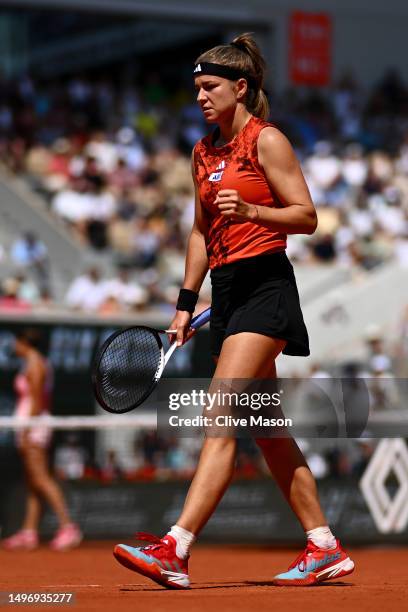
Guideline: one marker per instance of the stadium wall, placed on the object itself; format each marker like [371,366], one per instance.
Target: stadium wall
[368,36]
[252,512]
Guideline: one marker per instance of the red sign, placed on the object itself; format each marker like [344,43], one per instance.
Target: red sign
[310,48]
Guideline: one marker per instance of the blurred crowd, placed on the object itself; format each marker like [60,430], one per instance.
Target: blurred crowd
[112,160]
[156,458]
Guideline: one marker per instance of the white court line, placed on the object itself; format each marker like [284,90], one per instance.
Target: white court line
[66,586]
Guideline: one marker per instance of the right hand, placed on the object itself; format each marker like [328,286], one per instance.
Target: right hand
[181,323]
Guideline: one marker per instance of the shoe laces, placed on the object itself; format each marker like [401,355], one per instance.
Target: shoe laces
[155,542]
[301,561]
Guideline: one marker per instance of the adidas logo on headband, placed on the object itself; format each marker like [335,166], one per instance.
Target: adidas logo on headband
[225,72]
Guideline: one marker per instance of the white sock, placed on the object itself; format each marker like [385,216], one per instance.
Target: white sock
[322,537]
[184,540]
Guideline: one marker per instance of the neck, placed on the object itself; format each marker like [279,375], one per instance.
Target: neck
[233,125]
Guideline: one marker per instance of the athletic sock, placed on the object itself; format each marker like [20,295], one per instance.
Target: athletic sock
[184,540]
[322,537]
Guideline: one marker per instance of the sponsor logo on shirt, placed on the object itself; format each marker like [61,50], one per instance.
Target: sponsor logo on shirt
[215,176]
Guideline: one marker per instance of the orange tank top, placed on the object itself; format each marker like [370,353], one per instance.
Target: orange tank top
[235,166]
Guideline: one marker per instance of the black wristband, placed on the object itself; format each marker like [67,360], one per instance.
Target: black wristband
[187,300]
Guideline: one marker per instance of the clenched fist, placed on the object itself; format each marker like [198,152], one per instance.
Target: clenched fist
[230,204]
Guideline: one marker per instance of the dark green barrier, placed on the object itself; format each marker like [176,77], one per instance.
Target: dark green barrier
[250,512]
[70,347]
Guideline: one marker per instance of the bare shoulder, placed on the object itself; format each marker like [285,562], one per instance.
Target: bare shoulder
[272,139]
[274,147]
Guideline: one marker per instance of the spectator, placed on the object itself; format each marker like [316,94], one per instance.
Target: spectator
[323,174]
[114,159]
[401,351]
[31,253]
[70,458]
[86,292]
[100,208]
[111,469]
[122,178]
[129,295]
[324,248]
[69,205]
[9,296]
[354,167]
[146,243]
[103,151]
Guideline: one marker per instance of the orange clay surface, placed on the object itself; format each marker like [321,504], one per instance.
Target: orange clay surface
[223,578]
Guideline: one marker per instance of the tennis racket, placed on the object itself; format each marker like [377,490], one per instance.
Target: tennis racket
[130,363]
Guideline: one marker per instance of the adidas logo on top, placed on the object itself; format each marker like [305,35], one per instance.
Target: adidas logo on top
[197,68]
[217,176]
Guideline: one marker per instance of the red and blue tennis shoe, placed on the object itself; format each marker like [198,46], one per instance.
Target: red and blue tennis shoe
[315,565]
[158,561]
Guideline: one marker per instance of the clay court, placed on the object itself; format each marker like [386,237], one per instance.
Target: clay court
[223,578]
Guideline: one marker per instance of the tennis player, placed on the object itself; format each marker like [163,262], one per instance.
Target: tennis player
[33,386]
[250,193]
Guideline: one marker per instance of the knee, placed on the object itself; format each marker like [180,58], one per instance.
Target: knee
[220,444]
[37,479]
[36,482]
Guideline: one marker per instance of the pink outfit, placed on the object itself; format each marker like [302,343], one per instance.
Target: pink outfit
[66,537]
[39,435]
[25,539]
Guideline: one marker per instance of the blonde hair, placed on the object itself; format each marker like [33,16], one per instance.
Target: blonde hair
[243,54]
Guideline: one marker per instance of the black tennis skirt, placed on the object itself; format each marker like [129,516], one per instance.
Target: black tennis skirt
[258,294]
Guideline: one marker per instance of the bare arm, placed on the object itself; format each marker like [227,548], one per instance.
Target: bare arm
[196,266]
[284,175]
[196,258]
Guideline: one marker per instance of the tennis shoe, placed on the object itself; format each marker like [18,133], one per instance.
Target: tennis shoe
[315,565]
[25,539]
[67,537]
[158,561]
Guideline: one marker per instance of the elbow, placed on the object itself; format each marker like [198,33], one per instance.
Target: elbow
[311,225]
[198,229]
[311,228]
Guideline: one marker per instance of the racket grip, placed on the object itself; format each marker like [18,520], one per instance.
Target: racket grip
[201,319]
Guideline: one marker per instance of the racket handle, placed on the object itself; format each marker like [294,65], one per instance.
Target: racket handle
[201,319]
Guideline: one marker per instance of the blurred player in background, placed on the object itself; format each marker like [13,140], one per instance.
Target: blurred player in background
[33,386]
[250,193]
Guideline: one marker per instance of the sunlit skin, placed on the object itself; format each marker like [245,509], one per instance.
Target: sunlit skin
[223,103]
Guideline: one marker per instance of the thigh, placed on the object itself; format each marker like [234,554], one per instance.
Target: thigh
[248,355]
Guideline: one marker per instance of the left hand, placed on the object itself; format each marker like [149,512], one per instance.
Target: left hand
[230,204]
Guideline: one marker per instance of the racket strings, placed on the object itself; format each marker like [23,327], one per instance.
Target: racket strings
[128,368]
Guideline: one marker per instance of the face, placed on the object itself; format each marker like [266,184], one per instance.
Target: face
[218,97]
